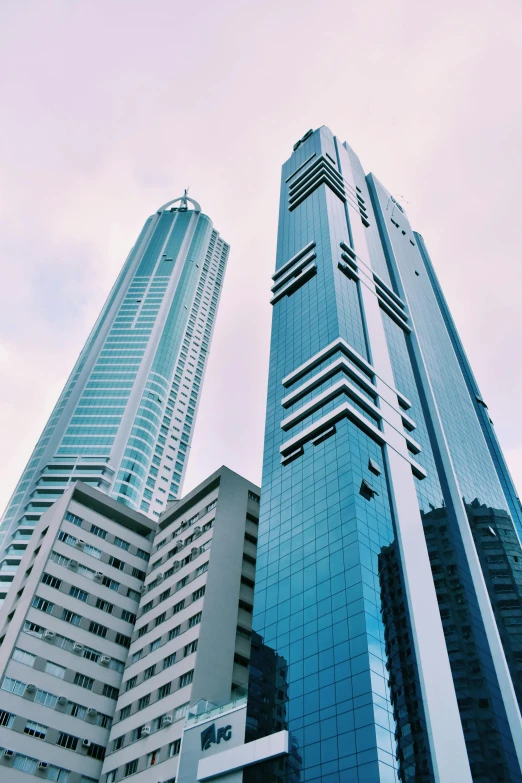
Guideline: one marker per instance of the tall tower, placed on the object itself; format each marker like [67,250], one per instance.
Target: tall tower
[389,577]
[125,418]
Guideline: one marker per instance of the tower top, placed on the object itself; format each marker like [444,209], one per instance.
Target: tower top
[184,203]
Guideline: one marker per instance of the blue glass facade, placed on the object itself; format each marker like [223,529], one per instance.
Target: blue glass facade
[380,476]
[125,418]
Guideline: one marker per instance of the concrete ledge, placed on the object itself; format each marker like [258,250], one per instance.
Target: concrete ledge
[244,756]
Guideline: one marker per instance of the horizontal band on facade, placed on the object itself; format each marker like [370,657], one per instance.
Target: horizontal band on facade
[340,344]
[344,385]
[295,283]
[300,183]
[321,179]
[344,411]
[293,270]
[300,167]
[291,261]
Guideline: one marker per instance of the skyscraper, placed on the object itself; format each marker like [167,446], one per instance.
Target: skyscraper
[124,420]
[388,581]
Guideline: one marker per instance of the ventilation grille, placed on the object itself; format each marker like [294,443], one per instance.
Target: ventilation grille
[318,173]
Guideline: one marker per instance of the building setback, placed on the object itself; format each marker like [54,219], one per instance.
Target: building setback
[125,418]
[191,642]
[65,632]
[378,599]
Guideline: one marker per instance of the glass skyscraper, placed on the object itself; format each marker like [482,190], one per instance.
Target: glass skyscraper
[388,597]
[124,420]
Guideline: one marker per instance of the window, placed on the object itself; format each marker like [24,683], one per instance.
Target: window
[111,776]
[6,719]
[190,648]
[143,630]
[130,768]
[83,681]
[112,584]
[174,632]
[169,660]
[96,751]
[105,606]
[98,629]
[54,669]
[98,531]
[186,678]
[81,595]
[116,563]
[198,593]
[110,691]
[129,617]
[118,742]
[125,712]
[174,748]
[201,569]
[136,656]
[149,672]
[52,581]
[160,619]
[211,505]
[46,698]
[246,606]
[71,617]
[178,607]
[42,604]
[249,537]
[33,628]
[23,657]
[194,620]
[139,574]
[144,556]
[155,644]
[164,595]
[181,711]
[133,594]
[144,702]
[131,683]
[182,582]
[66,538]
[73,518]
[249,559]
[147,607]
[253,496]
[125,641]
[121,543]
[36,730]
[67,741]
[152,758]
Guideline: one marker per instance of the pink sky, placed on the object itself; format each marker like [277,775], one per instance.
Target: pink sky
[111,107]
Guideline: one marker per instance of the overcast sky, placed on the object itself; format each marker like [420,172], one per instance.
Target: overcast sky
[111,107]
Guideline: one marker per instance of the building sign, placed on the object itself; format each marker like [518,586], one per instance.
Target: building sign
[210,737]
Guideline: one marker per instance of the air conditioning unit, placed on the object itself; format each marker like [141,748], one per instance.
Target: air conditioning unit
[197,532]
[80,543]
[30,688]
[178,546]
[160,577]
[166,720]
[92,712]
[146,730]
[72,564]
[77,648]
[86,743]
[49,636]
[176,565]
[98,576]
[42,766]
[8,754]
[144,588]
[194,552]
[183,525]
[62,700]
[105,660]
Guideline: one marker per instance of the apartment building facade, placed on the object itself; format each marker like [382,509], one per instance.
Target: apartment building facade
[191,642]
[65,632]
